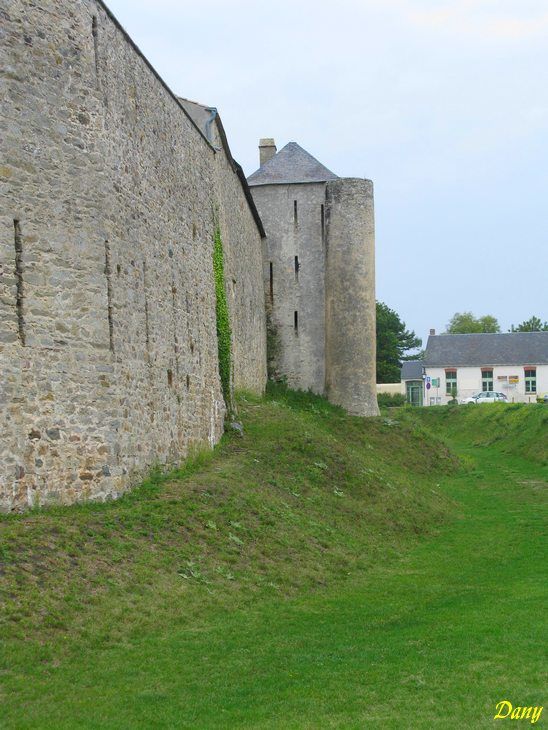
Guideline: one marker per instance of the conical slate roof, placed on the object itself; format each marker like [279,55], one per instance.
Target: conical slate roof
[292,164]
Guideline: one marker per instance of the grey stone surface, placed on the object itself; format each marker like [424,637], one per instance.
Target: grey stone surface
[350,296]
[267,149]
[108,347]
[328,224]
[302,353]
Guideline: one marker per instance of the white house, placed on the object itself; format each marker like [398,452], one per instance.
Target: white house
[513,363]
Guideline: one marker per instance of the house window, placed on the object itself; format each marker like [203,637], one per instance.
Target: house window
[451,382]
[530,380]
[487,380]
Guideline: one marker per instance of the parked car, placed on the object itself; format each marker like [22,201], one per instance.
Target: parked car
[487,397]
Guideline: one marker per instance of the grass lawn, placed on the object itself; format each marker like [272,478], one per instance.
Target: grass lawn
[322,571]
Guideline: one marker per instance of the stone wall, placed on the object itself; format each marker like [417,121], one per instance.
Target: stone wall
[350,296]
[243,265]
[108,348]
[292,215]
[330,227]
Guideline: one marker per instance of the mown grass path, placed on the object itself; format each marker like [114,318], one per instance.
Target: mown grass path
[435,639]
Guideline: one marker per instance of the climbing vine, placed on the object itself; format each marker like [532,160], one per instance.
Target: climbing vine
[223,322]
[273,346]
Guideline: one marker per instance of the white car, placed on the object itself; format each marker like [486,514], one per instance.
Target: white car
[487,397]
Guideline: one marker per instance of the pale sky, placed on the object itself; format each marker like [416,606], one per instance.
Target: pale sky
[442,103]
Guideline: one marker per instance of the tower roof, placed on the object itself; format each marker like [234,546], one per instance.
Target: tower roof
[292,164]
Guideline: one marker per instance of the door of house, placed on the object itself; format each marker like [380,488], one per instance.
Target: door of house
[414,392]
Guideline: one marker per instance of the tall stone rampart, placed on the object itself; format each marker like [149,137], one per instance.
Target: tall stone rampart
[109,200]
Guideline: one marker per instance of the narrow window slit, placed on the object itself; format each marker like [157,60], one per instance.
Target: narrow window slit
[147,323]
[297,267]
[95,34]
[295,215]
[18,242]
[175,318]
[170,378]
[271,282]
[108,274]
[296,322]
[322,217]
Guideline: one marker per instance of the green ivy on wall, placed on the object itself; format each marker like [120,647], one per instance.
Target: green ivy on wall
[223,322]
[273,346]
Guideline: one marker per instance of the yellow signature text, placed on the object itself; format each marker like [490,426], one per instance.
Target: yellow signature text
[505,710]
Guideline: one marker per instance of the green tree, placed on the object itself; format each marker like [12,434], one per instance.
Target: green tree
[463,323]
[393,341]
[489,323]
[533,324]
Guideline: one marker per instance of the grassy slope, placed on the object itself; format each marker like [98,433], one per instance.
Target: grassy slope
[305,498]
[170,607]
[514,429]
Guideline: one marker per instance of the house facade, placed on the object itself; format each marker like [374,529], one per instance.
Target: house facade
[513,363]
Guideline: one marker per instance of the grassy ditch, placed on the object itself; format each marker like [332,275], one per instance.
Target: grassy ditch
[319,571]
[518,429]
[307,496]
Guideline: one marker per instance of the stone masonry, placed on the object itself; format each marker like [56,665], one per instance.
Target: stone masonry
[319,272]
[111,189]
[110,195]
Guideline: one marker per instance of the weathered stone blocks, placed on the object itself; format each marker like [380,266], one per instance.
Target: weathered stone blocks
[109,361]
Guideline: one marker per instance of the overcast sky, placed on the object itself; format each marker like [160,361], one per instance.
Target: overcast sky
[442,103]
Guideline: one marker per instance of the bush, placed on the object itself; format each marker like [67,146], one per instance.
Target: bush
[390,400]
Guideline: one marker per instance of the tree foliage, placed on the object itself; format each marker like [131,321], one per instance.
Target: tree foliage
[463,323]
[393,341]
[533,324]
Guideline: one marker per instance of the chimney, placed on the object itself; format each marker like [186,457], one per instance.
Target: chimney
[432,332]
[267,149]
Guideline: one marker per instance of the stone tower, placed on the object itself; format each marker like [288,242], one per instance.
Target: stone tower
[319,271]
